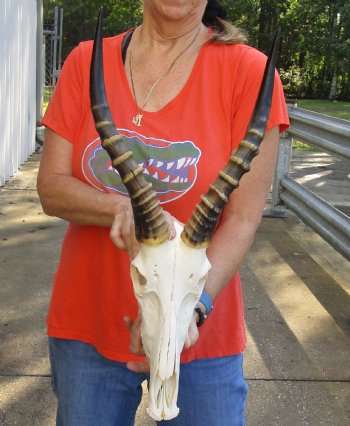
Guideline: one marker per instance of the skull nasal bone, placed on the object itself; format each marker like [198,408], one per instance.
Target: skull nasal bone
[167,350]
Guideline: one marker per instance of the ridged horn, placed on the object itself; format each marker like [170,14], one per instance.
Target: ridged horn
[150,224]
[199,229]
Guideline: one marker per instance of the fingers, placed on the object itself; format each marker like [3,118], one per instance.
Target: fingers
[136,346]
[170,221]
[116,233]
[138,366]
[193,334]
[122,232]
[128,322]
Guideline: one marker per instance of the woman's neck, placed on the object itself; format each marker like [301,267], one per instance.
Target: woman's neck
[160,58]
[168,24]
[167,38]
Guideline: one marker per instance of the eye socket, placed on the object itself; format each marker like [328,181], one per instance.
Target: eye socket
[138,279]
[141,278]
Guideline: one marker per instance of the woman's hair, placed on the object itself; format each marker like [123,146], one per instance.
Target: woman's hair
[223,31]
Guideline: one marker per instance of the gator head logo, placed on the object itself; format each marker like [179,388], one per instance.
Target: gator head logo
[171,167]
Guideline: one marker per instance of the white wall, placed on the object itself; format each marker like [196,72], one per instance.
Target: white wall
[17,84]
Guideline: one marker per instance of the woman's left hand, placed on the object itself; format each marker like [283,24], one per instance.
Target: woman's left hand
[136,346]
[193,334]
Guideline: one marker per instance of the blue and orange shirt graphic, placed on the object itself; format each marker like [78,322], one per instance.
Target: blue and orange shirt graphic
[171,167]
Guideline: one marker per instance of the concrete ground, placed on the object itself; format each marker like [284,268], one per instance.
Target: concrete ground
[297,301]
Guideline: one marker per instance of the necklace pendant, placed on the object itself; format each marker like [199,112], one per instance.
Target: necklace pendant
[137,119]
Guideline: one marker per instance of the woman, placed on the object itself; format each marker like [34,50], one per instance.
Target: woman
[181,88]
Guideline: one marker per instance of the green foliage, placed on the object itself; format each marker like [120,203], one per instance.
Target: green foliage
[80,18]
[315,44]
[336,109]
[300,146]
[123,14]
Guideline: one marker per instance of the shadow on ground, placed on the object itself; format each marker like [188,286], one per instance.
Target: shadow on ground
[297,304]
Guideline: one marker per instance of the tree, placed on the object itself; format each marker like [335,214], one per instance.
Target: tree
[80,17]
[314,58]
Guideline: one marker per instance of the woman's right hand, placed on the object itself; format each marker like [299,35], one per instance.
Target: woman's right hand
[123,229]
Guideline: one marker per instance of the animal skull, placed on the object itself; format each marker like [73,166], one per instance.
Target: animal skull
[168,280]
[169,275]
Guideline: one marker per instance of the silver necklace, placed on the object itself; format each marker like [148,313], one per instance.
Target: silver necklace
[138,117]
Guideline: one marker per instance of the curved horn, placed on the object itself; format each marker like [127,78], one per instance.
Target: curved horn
[150,224]
[199,229]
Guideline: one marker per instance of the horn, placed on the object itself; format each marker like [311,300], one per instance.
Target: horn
[199,229]
[150,225]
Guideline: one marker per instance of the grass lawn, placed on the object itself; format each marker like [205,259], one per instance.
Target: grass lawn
[47,96]
[339,109]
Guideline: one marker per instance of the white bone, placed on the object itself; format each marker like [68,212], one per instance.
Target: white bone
[168,280]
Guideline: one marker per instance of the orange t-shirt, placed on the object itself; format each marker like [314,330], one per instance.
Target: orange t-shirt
[182,148]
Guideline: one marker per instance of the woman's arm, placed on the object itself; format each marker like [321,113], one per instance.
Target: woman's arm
[241,217]
[64,196]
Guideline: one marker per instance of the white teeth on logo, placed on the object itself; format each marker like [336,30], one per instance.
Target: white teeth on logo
[155,176]
[176,180]
[188,161]
[146,171]
[150,161]
[169,165]
[193,161]
[167,179]
[159,164]
[181,162]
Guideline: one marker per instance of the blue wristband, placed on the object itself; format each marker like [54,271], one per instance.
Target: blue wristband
[206,301]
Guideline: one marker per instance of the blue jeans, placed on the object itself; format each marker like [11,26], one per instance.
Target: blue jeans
[95,391]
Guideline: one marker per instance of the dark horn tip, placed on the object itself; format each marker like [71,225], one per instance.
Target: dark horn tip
[100,21]
[275,47]
[102,12]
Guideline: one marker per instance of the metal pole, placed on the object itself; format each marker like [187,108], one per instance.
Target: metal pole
[278,208]
[55,37]
[60,42]
[39,60]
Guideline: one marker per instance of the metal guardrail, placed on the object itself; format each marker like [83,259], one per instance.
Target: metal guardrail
[330,135]
[327,133]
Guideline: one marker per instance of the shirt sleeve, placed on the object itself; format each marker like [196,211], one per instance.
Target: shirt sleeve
[250,74]
[65,107]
